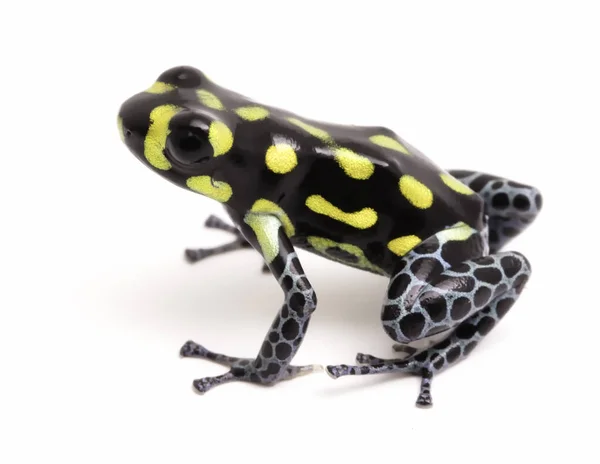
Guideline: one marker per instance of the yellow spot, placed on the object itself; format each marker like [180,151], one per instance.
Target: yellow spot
[268,207]
[252,113]
[281,158]
[459,231]
[415,192]
[455,184]
[154,143]
[160,87]
[363,219]
[266,229]
[215,189]
[354,165]
[402,245]
[321,244]
[120,126]
[312,130]
[388,142]
[209,99]
[220,137]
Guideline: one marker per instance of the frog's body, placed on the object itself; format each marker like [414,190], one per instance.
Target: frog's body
[358,195]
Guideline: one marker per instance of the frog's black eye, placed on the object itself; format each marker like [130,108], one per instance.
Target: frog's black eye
[188,141]
[189,146]
[184,77]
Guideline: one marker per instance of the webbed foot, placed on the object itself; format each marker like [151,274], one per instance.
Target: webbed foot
[241,369]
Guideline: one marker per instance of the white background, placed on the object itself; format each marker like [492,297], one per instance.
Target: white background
[95,296]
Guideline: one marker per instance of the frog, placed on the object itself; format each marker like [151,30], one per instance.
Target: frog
[360,196]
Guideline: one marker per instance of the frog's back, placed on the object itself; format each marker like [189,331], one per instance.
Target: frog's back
[358,194]
[367,196]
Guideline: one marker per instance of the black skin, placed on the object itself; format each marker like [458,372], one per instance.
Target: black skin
[314,174]
[243,168]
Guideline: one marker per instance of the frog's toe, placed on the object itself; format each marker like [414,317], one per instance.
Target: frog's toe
[424,401]
[337,371]
[193,255]
[203,385]
[191,349]
[362,358]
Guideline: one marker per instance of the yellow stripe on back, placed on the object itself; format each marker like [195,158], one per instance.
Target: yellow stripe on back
[363,219]
[456,185]
[388,142]
[418,194]
[210,99]
[354,165]
[281,158]
[312,130]
[154,143]
[252,113]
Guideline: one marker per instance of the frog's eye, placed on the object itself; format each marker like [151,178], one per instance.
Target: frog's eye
[188,141]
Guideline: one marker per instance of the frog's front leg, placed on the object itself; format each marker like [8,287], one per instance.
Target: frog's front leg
[425,299]
[285,336]
[193,255]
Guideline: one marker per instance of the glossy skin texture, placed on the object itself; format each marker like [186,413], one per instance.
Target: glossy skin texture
[361,196]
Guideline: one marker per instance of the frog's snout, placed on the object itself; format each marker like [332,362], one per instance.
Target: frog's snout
[132,119]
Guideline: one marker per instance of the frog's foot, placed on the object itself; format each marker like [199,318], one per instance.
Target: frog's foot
[375,365]
[193,255]
[242,369]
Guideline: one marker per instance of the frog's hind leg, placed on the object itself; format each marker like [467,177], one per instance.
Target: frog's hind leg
[430,298]
[440,356]
[511,206]
[193,255]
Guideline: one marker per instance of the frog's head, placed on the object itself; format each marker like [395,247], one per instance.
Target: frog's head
[177,127]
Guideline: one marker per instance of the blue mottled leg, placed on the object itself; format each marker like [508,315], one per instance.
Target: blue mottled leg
[442,355]
[430,297]
[272,364]
[511,206]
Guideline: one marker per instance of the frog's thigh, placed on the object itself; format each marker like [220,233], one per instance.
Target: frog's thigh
[511,206]
[417,307]
[452,349]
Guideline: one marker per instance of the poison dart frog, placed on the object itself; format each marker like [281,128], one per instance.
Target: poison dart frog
[358,195]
